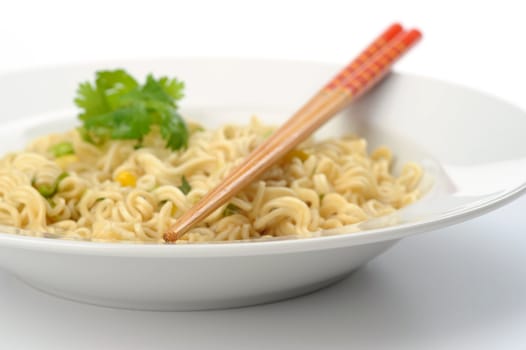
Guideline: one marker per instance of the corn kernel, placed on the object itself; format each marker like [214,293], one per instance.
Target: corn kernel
[126,179]
[66,160]
[296,153]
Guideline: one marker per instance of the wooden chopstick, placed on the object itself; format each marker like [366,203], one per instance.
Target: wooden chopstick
[355,79]
[380,42]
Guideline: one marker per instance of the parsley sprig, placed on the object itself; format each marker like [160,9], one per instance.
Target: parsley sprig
[185,186]
[116,106]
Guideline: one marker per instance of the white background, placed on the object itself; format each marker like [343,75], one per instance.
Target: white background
[462,287]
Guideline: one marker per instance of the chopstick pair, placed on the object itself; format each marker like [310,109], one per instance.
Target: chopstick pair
[352,81]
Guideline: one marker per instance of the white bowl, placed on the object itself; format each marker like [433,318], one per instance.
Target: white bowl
[471,145]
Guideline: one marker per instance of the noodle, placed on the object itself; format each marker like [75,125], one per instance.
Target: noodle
[120,192]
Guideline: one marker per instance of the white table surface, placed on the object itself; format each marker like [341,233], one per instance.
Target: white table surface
[462,287]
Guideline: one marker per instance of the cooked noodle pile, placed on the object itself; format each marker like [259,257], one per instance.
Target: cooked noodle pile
[123,192]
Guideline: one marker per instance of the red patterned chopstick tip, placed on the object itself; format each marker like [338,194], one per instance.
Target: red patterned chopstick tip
[380,63]
[387,35]
[392,31]
[412,37]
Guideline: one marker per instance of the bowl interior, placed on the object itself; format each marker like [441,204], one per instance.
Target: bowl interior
[471,145]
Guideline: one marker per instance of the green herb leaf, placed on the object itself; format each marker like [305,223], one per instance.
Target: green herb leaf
[131,122]
[173,129]
[91,100]
[117,107]
[172,87]
[61,149]
[185,186]
[230,209]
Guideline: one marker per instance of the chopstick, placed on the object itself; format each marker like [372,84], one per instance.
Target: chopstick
[352,81]
[380,42]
